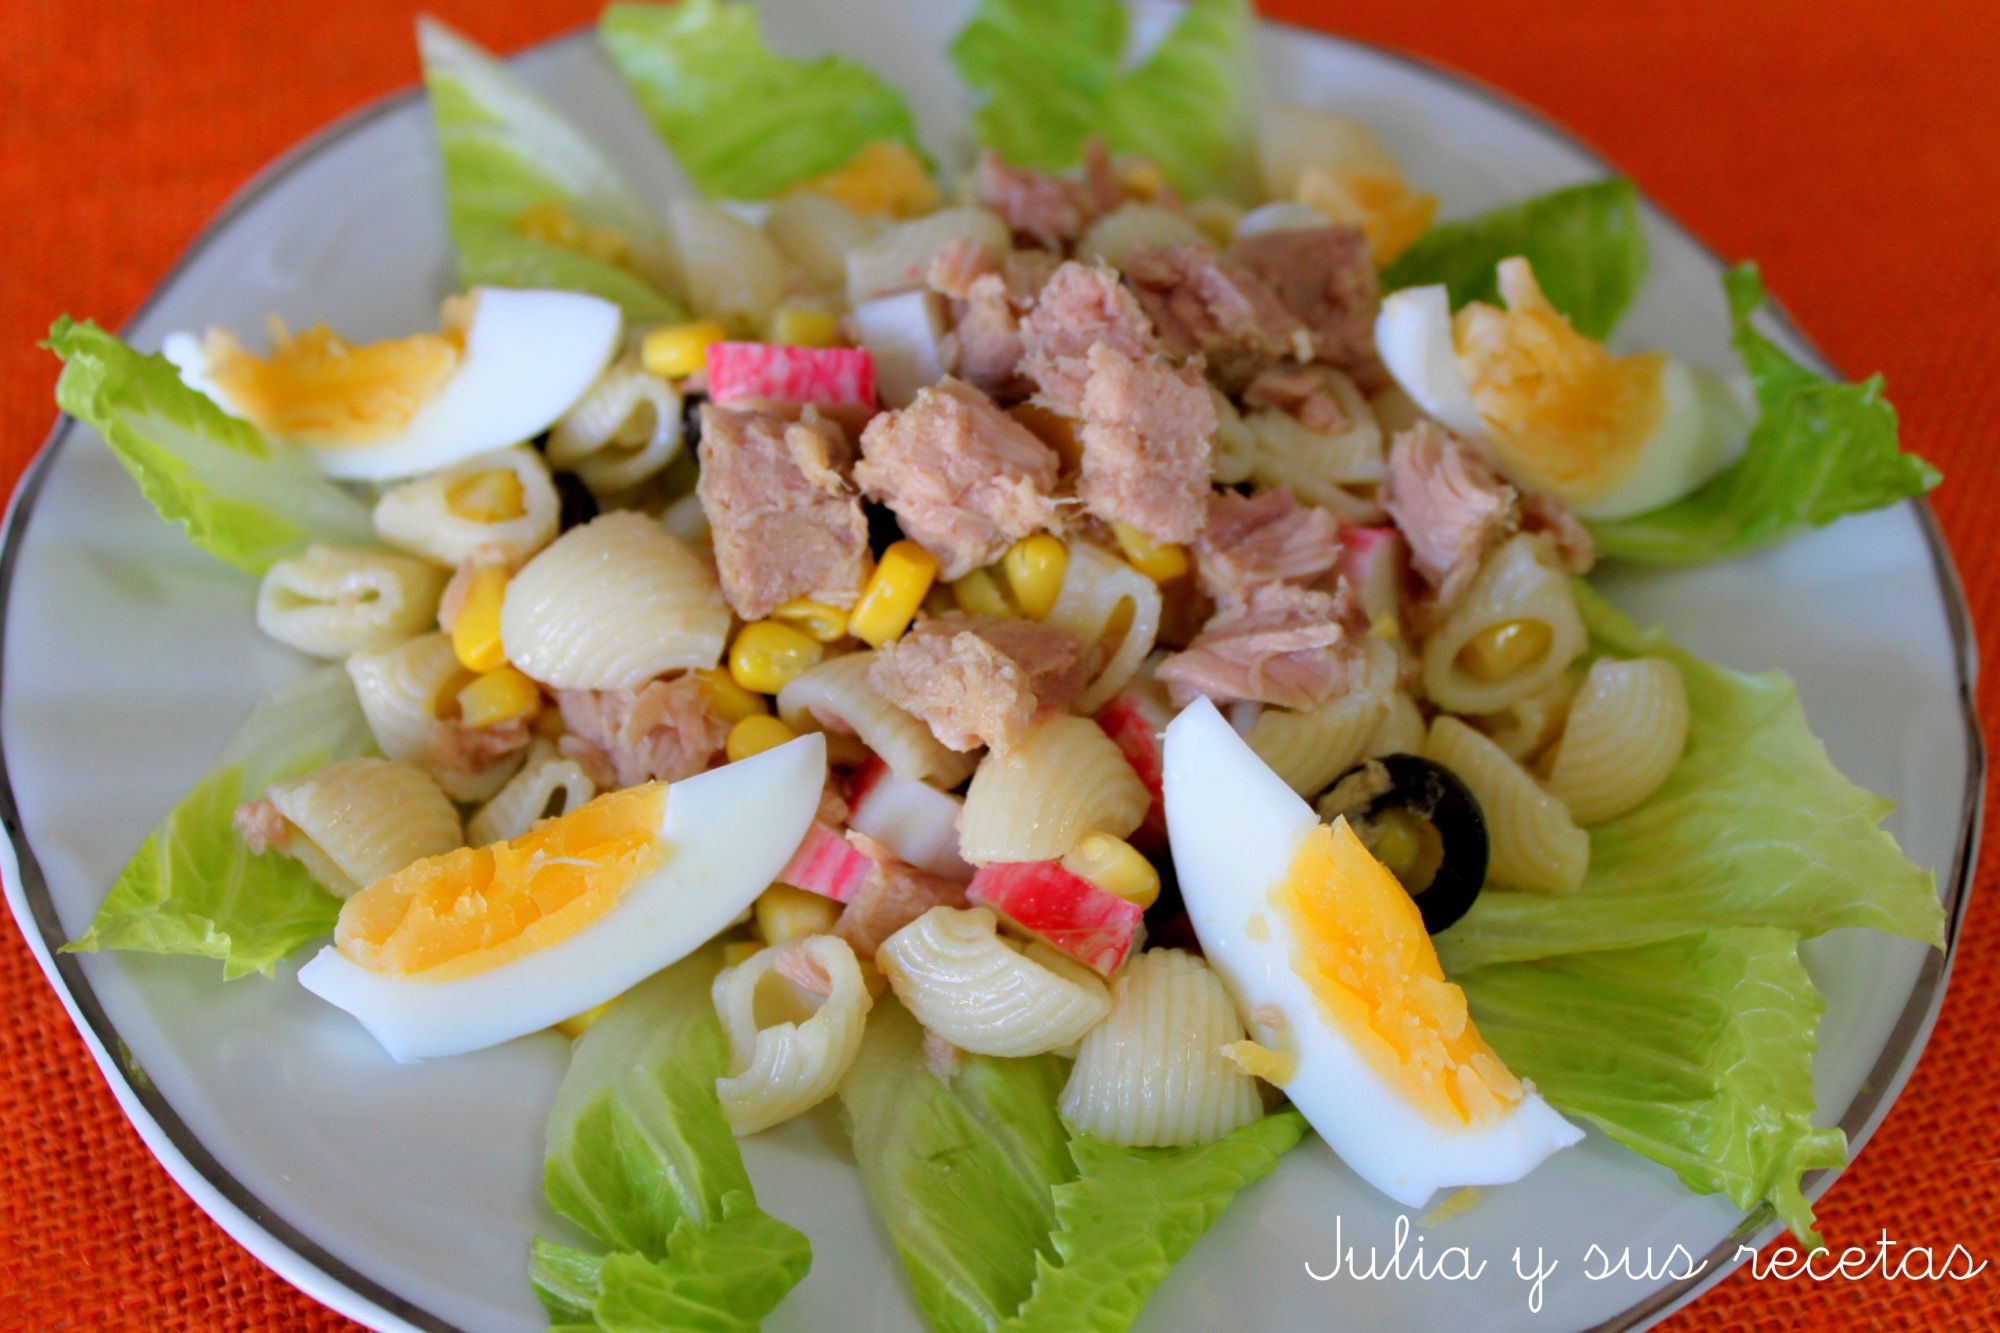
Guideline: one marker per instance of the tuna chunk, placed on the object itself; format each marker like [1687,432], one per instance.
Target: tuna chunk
[1080,306]
[964,479]
[1204,304]
[981,680]
[1327,278]
[1148,444]
[1304,393]
[665,729]
[1252,540]
[786,521]
[1046,210]
[1285,645]
[989,339]
[893,895]
[1026,273]
[1544,513]
[1451,505]
[260,826]
[958,263]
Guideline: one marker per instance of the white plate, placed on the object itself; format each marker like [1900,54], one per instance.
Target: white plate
[405,1197]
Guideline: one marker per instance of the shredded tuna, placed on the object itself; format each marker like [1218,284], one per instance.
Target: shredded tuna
[1284,645]
[894,894]
[941,1058]
[665,730]
[1100,188]
[989,338]
[1326,277]
[1026,272]
[800,968]
[786,522]
[458,748]
[981,680]
[1047,210]
[958,263]
[1148,444]
[965,479]
[260,826]
[459,586]
[833,808]
[1252,540]
[1080,306]
[1204,304]
[1450,504]
[1304,393]
[1544,513]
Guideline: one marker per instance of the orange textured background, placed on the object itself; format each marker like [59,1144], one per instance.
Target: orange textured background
[1847,144]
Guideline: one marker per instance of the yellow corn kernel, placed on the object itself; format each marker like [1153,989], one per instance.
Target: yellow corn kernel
[756,734]
[785,913]
[1498,652]
[826,623]
[739,951]
[575,1026]
[1115,866]
[475,634]
[884,178]
[1162,562]
[1260,1061]
[979,593]
[493,496]
[768,656]
[1052,428]
[731,702]
[1140,178]
[1384,625]
[803,326]
[498,696]
[679,350]
[1034,568]
[895,591]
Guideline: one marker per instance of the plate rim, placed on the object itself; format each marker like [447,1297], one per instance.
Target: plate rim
[319,1274]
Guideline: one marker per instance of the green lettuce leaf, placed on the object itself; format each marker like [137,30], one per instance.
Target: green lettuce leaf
[1585,242]
[1695,1052]
[640,1156]
[242,497]
[1820,450]
[504,152]
[1131,1214]
[744,122]
[1053,74]
[1754,827]
[195,888]
[959,1173]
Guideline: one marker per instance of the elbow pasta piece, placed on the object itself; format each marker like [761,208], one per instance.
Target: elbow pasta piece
[1318,466]
[1033,802]
[1534,844]
[836,694]
[625,430]
[429,516]
[1130,227]
[734,275]
[951,969]
[780,1070]
[1518,583]
[1401,730]
[549,784]
[612,604]
[401,689]
[1153,1075]
[351,823]
[1309,750]
[334,600]
[900,256]
[1107,603]
[1627,728]
[816,233]
[1526,727]
[1235,442]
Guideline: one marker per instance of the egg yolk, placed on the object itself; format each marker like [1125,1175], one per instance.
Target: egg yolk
[473,909]
[885,178]
[1381,203]
[1359,945]
[319,389]
[551,224]
[1565,415]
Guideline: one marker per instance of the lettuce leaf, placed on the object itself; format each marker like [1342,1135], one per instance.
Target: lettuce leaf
[195,888]
[743,121]
[640,1156]
[242,497]
[1052,72]
[505,151]
[1585,242]
[1754,827]
[1820,450]
[1131,1214]
[1695,1052]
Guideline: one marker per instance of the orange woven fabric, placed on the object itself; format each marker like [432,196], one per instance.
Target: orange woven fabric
[1845,143]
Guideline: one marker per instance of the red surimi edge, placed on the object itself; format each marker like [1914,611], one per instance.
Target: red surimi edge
[827,376]
[1132,725]
[1065,911]
[1372,561]
[826,864]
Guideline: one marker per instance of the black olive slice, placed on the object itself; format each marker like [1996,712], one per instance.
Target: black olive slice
[1422,822]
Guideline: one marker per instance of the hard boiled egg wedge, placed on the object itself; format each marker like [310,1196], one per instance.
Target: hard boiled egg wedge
[1611,435]
[505,365]
[458,952]
[1330,967]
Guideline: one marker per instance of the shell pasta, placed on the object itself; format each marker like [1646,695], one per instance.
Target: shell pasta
[1536,846]
[1105,601]
[1065,779]
[779,1069]
[334,600]
[1519,598]
[499,504]
[836,696]
[547,785]
[1626,730]
[625,430]
[351,823]
[981,994]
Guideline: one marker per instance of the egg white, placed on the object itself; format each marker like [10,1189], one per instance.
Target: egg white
[529,356]
[1235,828]
[728,833]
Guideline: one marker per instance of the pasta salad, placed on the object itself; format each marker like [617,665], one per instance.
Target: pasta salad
[1080,659]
